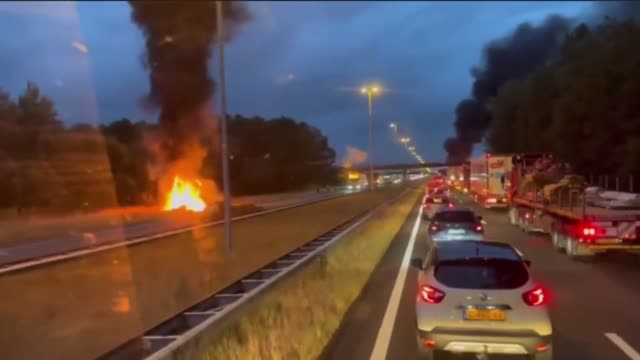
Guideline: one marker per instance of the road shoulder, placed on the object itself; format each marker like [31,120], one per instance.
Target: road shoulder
[356,336]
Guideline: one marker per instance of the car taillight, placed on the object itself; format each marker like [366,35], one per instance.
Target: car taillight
[431,294]
[536,297]
[434,227]
[491,200]
[450,205]
[478,228]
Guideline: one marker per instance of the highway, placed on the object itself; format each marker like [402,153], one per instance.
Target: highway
[51,245]
[593,306]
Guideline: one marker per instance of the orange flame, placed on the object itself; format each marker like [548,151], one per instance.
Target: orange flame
[185,194]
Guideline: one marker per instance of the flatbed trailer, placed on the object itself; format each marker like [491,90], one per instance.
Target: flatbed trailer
[579,230]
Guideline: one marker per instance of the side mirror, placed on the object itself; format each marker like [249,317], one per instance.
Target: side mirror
[416,263]
[527,262]
[479,218]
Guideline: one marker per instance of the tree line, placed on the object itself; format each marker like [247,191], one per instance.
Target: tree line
[47,164]
[582,107]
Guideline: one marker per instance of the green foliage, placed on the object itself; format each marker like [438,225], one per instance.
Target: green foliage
[277,155]
[45,165]
[583,108]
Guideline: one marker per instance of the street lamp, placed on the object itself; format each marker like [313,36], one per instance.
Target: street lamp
[223,129]
[412,148]
[394,126]
[370,91]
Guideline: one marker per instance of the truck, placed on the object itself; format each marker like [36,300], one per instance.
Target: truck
[489,180]
[562,210]
[458,177]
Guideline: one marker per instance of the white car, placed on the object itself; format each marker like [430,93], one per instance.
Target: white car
[479,298]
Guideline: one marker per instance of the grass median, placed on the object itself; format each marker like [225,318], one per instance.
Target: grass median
[298,317]
[82,308]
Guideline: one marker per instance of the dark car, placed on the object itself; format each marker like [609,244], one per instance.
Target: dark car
[455,223]
[433,203]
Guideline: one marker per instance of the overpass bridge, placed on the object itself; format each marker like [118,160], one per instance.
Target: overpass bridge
[404,167]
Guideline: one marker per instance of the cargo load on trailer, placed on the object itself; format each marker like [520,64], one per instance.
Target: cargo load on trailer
[547,197]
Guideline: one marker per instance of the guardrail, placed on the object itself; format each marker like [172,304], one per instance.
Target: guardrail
[214,311]
[64,256]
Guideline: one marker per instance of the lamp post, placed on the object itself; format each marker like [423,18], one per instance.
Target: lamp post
[370,91]
[226,185]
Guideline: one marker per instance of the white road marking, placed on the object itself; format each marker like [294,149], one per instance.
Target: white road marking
[626,348]
[386,328]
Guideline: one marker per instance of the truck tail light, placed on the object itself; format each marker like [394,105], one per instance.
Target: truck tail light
[588,231]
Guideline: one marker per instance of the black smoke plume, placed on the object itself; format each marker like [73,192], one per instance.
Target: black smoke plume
[179,37]
[614,10]
[525,50]
[515,56]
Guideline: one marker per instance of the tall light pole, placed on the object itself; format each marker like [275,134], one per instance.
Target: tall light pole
[226,184]
[370,91]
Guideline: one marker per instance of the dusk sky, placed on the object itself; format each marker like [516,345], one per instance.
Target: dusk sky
[304,60]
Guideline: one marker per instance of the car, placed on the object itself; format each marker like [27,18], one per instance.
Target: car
[478,298]
[438,191]
[455,223]
[432,203]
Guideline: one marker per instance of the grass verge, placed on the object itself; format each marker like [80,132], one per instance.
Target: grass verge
[17,230]
[84,307]
[298,317]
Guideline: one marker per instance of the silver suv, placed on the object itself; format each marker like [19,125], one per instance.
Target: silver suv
[478,297]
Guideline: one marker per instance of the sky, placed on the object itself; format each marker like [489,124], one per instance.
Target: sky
[305,60]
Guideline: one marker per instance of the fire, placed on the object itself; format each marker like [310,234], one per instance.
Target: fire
[185,194]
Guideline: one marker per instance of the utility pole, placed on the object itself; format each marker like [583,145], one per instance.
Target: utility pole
[373,181]
[226,184]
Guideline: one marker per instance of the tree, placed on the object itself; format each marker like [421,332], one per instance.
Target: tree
[277,155]
[583,107]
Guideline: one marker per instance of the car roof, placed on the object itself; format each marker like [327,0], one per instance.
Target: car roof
[455,209]
[467,249]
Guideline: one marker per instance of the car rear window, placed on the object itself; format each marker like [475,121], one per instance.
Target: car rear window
[482,274]
[454,216]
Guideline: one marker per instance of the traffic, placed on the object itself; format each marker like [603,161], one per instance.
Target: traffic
[494,306]
[476,296]
[478,285]
[320,180]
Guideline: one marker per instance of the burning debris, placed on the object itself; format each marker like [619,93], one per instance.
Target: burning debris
[179,39]
[185,194]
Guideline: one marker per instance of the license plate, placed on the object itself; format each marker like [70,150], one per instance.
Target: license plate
[607,241]
[456,231]
[485,314]
[437,201]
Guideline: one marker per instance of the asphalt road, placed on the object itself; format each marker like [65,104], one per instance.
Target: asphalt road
[593,307]
[38,248]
